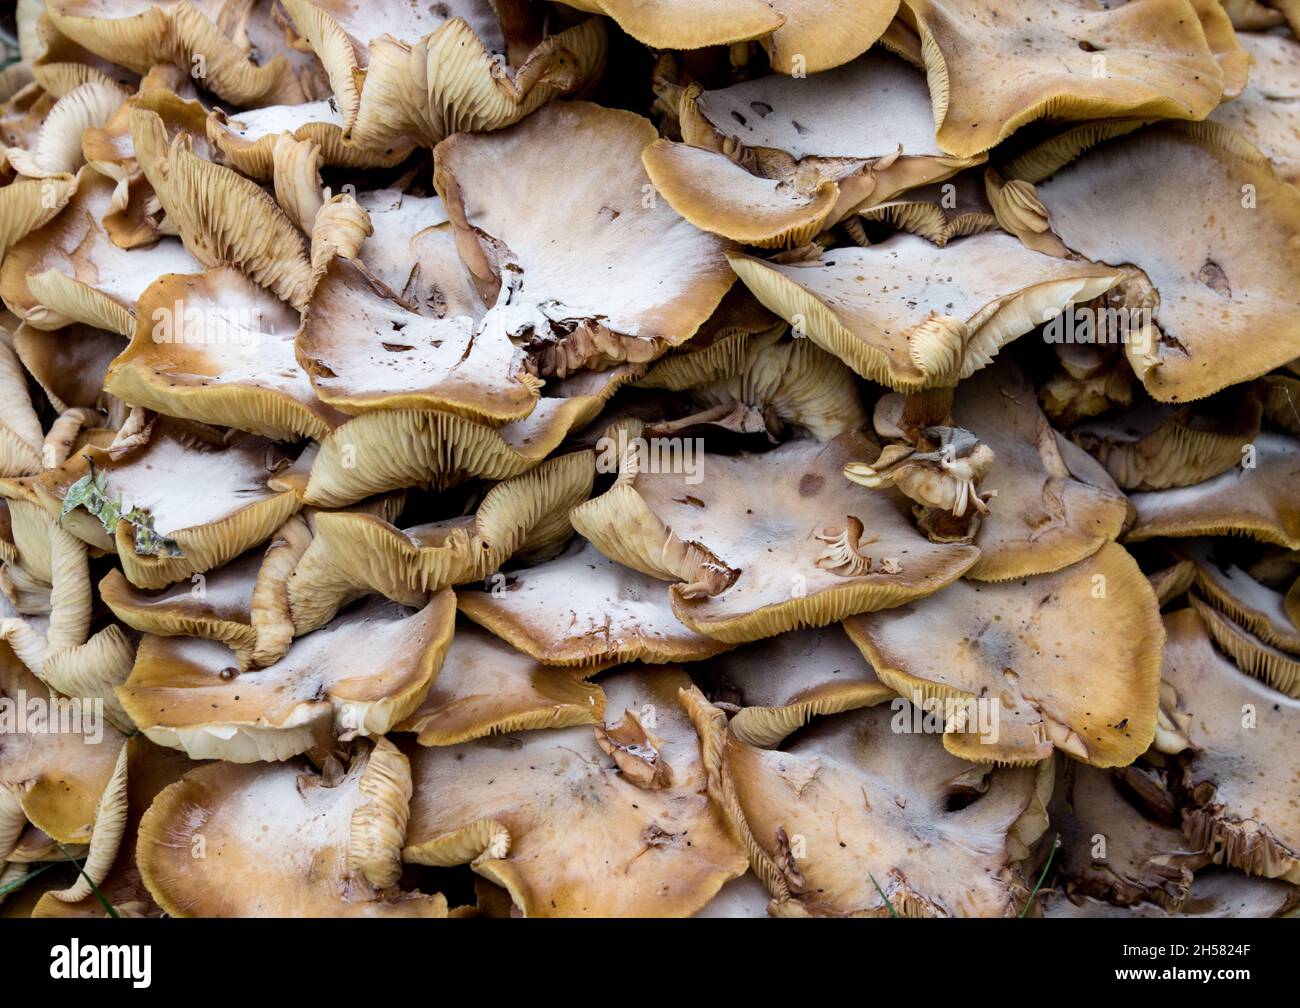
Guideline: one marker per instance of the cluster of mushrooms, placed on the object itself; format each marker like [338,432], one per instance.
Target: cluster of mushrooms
[650,458]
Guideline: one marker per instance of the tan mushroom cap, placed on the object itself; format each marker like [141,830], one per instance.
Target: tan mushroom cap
[150,769]
[247,138]
[389,449]
[139,33]
[408,73]
[1279,668]
[761,544]
[28,204]
[1215,892]
[21,435]
[631,278]
[236,510]
[1055,504]
[486,687]
[1266,113]
[55,150]
[360,674]
[278,841]
[1069,660]
[1222,297]
[1153,56]
[1257,501]
[1138,858]
[744,897]
[217,348]
[1154,446]
[1237,734]
[1251,604]
[355,553]
[69,270]
[562,823]
[782,683]
[215,606]
[772,162]
[69,363]
[945,313]
[365,350]
[719,347]
[56,758]
[583,609]
[412,249]
[938,212]
[852,800]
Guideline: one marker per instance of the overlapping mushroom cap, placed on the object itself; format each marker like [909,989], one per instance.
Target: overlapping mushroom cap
[609,821]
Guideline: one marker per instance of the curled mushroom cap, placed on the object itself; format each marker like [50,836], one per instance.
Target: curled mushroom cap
[358,675]
[69,363]
[71,270]
[1214,308]
[1069,660]
[1215,892]
[1256,498]
[409,72]
[784,682]
[582,608]
[1154,447]
[486,687]
[217,348]
[1250,603]
[1235,733]
[1053,504]
[938,212]
[760,544]
[57,758]
[357,552]
[581,821]
[631,279]
[300,843]
[948,312]
[1265,112]
[772,162]
[1138,859]
[861,815]
[142,504]
[1073,61]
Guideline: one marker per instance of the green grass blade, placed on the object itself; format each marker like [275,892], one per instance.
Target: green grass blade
[103,900]
[1056,843]
[892,911]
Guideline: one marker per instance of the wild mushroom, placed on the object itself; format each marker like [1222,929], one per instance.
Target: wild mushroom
[360,674]
[1265,112]
[1069,660]
[304,844]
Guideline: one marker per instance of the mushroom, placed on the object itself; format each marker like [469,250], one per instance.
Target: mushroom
[547,814]
[1029,669]
[771,162]
[324,847]
[360,674]
[1214,893]
[1264,113]
[1074,61]
[766,543]
[855,818]
[950,309]
[1230,729]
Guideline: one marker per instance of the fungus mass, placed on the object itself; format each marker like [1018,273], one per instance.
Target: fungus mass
[642,458]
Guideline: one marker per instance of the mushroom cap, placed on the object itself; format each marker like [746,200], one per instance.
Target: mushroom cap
[70,269]
[744,897]
[771,162]
[237,509]
[719,348]
[1257,501]
[486,687]
[547,814]
[1265,112]
[949,309]
[1142,860]
[278,841]
[1238,734]
[938,212]
[1215,892]
[56,762]
[1247,602]
[68,363]
[1278,668]
[1224,294]
[782,683]
[852,799]
[677,24]
[1049,675]
[1055,504]
[1154,446]
[1154,60]
[217,348]
[632,276]
[360,674]
[583,609]
[765,543]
